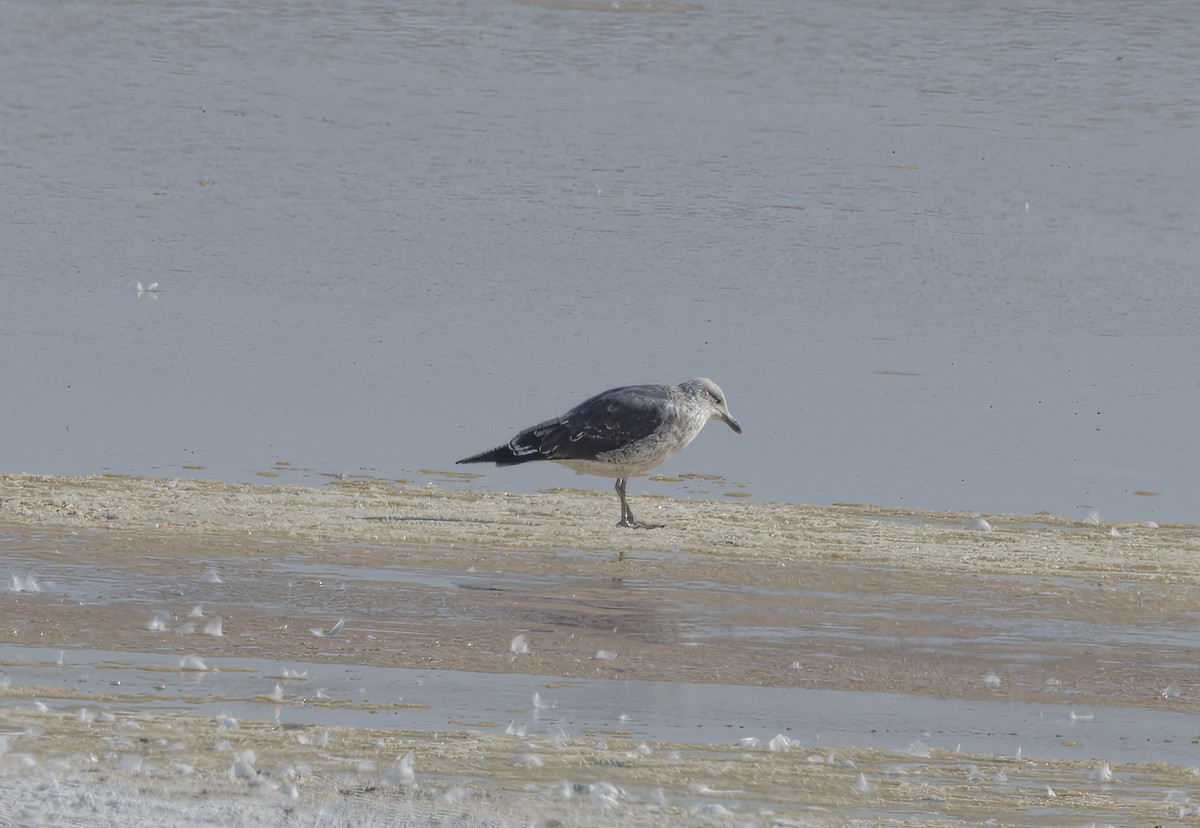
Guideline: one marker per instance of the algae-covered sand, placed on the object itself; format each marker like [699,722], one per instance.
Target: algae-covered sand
[849,599]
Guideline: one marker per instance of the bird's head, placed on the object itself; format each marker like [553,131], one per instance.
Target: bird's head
[709,392]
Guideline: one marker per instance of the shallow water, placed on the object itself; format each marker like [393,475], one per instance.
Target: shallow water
[711,714]
[1030,629]
[1010,619]
[937,256]
[1065,641]
[953,697]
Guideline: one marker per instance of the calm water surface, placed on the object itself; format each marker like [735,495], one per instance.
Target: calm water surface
[938,255]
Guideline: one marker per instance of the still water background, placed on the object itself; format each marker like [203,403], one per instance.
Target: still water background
[937,254]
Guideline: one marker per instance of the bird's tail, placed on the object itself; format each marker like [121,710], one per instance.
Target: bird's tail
[501,456]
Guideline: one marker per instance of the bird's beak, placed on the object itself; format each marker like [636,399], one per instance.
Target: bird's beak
[732,423]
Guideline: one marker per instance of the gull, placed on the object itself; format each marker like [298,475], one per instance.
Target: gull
[619,433]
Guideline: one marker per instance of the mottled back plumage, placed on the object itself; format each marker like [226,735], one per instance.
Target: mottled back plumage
[619,432]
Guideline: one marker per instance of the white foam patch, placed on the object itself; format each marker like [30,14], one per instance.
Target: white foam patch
[39,798]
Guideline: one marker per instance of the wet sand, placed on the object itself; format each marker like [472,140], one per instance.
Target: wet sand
[852,599]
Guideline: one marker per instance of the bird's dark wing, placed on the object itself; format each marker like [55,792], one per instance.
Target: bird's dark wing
[605,422]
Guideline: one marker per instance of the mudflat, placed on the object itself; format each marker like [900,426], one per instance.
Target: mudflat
[850,598]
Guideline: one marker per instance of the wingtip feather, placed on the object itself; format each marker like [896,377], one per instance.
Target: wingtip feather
[501,456]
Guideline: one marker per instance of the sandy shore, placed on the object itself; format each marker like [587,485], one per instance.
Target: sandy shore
[848,597]
[767,534]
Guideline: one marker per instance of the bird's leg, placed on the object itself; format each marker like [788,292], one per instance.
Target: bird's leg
[627,518]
